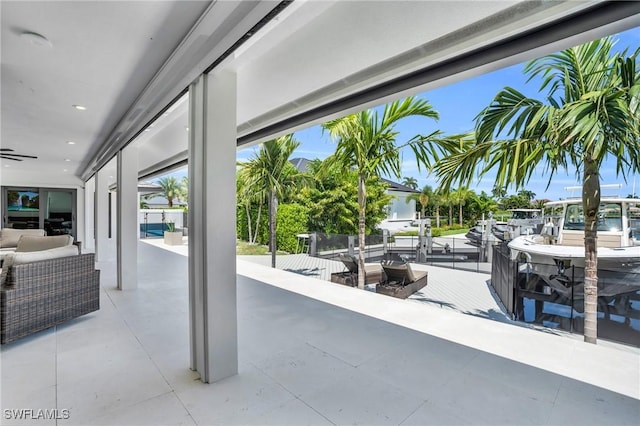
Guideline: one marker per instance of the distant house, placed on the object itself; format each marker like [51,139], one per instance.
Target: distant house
[398,210]
[401,207]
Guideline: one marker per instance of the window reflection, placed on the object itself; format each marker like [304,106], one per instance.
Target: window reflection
[23,209]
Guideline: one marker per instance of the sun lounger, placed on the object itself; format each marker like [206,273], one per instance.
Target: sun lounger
[373,272]
[401,281]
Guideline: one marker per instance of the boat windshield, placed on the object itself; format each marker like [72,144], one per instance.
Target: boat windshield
[524,214]
[609,217]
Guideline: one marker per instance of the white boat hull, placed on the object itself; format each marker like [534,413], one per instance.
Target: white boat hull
[618,268]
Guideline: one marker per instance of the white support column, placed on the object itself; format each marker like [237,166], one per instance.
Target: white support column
[212,235]
[127,218]
[102,246]
[89,242]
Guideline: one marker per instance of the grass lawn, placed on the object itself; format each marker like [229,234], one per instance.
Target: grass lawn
[439,232]
[454,232]
[243,247]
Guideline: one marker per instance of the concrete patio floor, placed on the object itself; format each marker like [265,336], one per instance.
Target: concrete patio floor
[311,352]
[459,290]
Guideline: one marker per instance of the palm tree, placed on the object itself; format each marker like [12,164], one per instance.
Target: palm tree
[246,197]
[483,203]
[459,197]
[270,172]
[366,143]
[184,189]
[590,113]
[422,198]
[170,189]
[437,200]
[528,195]
[446,200]
[411,182]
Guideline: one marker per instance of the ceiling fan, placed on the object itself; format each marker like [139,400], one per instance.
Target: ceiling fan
[6,154]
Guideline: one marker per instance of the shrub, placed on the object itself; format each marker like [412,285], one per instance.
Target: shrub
[291,221]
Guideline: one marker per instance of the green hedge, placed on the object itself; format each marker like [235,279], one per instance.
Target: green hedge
[292,220]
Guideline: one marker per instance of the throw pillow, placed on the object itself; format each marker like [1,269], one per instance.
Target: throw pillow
[31,243]
[35,256]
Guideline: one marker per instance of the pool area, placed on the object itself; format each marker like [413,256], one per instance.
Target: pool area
[152,230]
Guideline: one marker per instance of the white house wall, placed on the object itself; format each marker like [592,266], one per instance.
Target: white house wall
[399,208]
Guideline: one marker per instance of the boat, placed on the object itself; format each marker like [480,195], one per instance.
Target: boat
[476,234]
[556,255]
[522,222]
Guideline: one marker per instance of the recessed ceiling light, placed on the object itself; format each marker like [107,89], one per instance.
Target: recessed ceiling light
[147,130]
[67,159]
[36,39]
[186,128]
[65,170]
[71,143]
[79,107]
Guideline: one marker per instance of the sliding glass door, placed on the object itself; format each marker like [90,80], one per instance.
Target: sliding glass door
[51,209]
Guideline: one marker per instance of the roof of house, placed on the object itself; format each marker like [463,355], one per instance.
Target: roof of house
[395,186]
[302,164]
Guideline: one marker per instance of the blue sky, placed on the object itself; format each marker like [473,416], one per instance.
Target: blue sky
[457,105]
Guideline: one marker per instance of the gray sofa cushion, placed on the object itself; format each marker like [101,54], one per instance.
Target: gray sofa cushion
[32,243]
[9,237]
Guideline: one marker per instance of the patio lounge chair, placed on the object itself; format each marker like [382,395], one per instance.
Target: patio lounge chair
[401,281]
[373,273]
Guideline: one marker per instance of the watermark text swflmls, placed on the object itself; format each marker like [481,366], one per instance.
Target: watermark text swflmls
[36,414]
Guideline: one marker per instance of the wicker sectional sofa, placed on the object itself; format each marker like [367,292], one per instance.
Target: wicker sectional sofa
[40,289]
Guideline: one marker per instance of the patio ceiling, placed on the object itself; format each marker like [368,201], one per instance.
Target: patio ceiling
[308,61]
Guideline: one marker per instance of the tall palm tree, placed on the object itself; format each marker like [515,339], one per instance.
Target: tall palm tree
[446,200]
[171,189]
[590,113]
[459,197]
[409,181]
[270,172]
[246,197]
[437,200]
[423,198]
[366,143]
[184,189]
